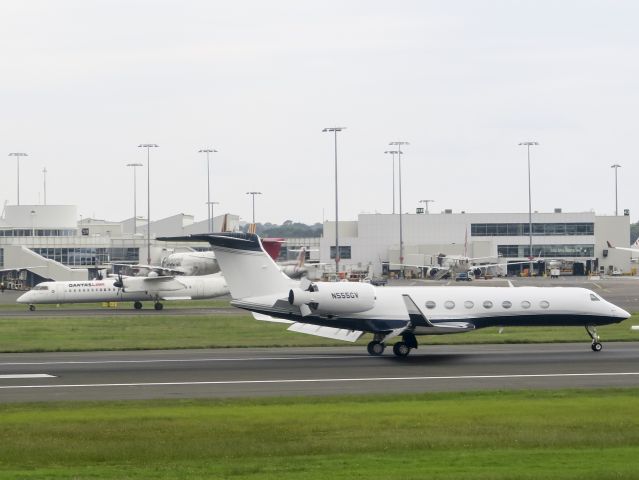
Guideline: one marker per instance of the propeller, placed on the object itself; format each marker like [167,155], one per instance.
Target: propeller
[119,283]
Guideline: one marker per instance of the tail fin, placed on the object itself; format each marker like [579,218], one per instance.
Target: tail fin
[249,271]
[273,246]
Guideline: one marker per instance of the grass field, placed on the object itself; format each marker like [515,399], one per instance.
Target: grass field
[591,434]
[123,332]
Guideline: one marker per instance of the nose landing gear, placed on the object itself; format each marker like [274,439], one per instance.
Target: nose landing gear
[596,344]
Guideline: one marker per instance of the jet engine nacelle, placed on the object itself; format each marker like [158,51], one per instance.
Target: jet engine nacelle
[333,298]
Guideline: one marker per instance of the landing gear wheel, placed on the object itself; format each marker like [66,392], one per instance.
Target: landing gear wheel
[158,306]
[375,348]
[137,305]
[596,346]
[400,349]
[32,308]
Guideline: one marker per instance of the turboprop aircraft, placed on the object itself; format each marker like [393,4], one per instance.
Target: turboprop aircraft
[346,310]
[132,289]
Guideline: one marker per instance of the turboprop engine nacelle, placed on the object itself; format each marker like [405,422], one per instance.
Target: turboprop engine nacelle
[333,298]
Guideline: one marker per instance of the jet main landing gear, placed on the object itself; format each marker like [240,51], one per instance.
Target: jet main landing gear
[596,344]
[32,308]
[137,305]
[158,306]
[400,349]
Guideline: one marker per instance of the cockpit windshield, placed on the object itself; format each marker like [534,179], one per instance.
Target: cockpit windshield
[41,287]
[594,297]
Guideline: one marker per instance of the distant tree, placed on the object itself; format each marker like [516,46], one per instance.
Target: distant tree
[288,229]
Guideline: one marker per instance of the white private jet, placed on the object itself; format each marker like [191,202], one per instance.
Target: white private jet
[132,289]
[345,310]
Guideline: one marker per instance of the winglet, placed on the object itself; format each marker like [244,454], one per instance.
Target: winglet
[417,318]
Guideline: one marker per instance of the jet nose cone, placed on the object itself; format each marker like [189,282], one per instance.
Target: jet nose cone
[23,298]
[622,313]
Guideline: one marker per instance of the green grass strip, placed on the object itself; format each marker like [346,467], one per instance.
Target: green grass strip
[123,332]
[565,434]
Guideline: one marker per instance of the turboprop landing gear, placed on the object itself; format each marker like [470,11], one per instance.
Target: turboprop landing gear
[375,348]
[32,308]
[137,305]
[592,332]
[158,306]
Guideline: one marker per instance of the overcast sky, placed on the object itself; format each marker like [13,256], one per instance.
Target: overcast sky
[82,83]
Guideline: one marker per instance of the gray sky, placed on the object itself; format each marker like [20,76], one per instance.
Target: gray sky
[82,83]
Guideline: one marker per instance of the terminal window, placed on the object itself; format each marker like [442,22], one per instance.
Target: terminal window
[344,252]
[539,229]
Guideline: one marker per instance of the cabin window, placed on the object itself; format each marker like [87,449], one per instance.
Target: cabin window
[430,304]
[449,304]
[544,304]
[468,304]
[506,304]
[594,297]
[525,304]
[488,304]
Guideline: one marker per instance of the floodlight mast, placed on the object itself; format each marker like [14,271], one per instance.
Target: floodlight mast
[616,166]
[399,145]
[334,130]
[18,155]
[148,147]
[530,252]
[135,195]
[208,183]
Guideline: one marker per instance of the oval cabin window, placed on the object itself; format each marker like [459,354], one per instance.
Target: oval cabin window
[468,304]
[449,304]
[506,304]
[525,304]
[430,304]
[544,304]
[488,304]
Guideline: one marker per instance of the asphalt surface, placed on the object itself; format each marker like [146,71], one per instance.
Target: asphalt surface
[42,377]
[317,371]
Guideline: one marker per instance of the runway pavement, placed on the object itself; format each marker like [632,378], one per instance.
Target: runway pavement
[311,371]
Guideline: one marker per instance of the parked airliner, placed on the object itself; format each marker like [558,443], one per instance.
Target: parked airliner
[131,289]
[345,310]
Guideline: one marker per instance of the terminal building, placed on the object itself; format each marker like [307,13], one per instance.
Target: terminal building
[577,240]
[50,242]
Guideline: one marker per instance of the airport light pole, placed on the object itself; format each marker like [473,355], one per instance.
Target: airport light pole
[210,204]
[530,252]
[148,147]
[135,196]
[335,130]
[208,183]
[426,202]
[393,153]
[44,175]
[401,230]
[616,166]
[253,195]
[18,155]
